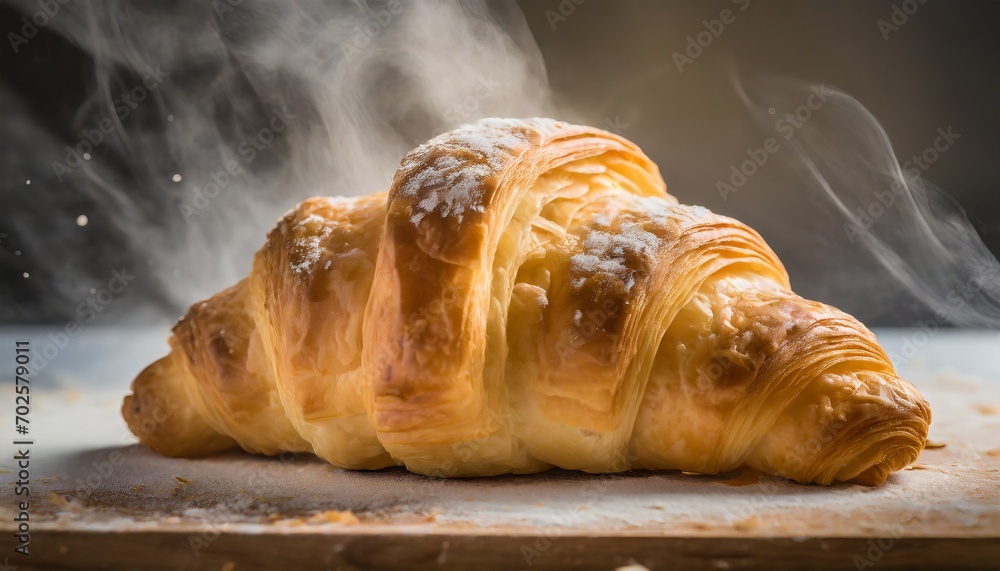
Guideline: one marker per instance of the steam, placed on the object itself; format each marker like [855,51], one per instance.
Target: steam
[215,116]
[225,113]
[916,232]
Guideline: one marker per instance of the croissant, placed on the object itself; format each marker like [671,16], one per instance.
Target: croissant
[526,296]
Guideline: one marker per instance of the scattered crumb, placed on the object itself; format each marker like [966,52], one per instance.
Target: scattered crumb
[67,506]
[59,501]
[747,524]
[333,516]
[229,566]
[180,485]
[865,525]
[932,444]
[993,453]
[137,488]
[632,566]
[319,518]
[988,409]
[746,478]
[918,467]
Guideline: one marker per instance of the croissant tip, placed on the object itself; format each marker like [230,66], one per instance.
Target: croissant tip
[875,475]
[158,413]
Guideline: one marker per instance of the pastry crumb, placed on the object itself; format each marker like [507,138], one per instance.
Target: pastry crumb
[319,518]
[57,500]
[988,409]
[747,524]
[932,444]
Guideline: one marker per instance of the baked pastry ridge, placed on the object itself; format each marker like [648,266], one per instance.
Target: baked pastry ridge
[528,295]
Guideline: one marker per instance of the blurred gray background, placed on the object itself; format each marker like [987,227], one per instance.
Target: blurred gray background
[940,68]
[612,64]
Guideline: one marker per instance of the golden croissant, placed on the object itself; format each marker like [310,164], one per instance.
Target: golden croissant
[526,296]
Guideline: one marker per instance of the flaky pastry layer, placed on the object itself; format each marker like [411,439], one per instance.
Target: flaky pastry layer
[527,295]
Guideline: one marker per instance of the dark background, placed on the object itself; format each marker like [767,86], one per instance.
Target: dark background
[612,63]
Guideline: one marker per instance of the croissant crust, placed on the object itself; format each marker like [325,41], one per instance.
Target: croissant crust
[527,295]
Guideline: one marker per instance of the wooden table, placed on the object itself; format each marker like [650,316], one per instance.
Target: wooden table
[100,501]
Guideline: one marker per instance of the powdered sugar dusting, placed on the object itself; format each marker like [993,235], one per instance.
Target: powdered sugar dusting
[311,219]
[543,299]
[608,252]
[449,187]
[611,251]
[664,211]
[451,184]
[658,209]
[342,200]
[330,200]
[310,247]
[491,143]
